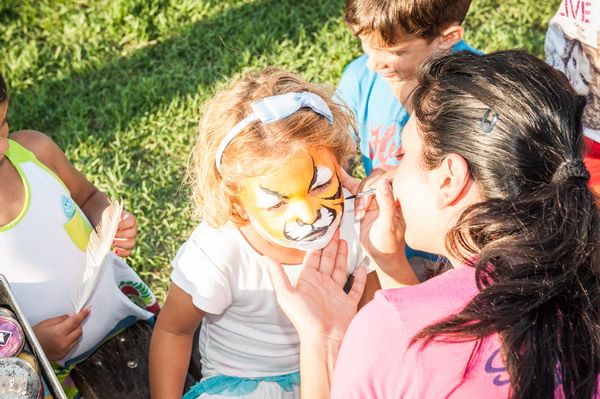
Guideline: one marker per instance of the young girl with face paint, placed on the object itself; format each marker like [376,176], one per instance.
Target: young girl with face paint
[266,184]
[491,177]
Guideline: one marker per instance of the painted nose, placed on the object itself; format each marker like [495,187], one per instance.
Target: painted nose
[305,213]
[302,224]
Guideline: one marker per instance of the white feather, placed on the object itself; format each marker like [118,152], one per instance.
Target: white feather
[98,248]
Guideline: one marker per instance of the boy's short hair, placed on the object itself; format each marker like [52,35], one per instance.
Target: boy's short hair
[416,18]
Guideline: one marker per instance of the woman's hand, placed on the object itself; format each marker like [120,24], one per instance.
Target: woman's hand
[382,227]
[320,311]
[124,241]
[355,186]
[382,230]
[58,335]
[317,306]
[381,223]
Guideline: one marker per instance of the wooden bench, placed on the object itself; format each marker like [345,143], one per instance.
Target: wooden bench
[119,368]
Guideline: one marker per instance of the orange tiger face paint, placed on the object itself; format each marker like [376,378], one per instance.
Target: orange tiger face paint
[299,205]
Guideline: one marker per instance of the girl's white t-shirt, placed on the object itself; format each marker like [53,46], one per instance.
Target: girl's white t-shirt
[244,332]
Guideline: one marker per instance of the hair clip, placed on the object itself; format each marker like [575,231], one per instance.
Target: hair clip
[487,123]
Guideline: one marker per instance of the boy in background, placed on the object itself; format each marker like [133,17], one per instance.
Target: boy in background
[397,36]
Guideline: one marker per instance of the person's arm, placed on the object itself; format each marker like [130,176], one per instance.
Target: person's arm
[317,360]
[382,230]
[91,200]
[382,237]
[171,344]
[320,311]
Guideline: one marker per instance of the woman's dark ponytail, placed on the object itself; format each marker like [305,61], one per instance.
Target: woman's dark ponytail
[538,230]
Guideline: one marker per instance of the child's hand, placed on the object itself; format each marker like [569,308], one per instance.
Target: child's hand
[124,241]
[58,335]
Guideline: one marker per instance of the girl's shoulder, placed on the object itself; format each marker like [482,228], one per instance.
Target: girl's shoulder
[205,234]
[42,146]
[217,244]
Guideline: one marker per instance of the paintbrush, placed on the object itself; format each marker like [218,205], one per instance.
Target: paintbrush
[370,191]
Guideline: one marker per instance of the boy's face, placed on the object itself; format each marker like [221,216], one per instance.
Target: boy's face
[400,62]
[298,205]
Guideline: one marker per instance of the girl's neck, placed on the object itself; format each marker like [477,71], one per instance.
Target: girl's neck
[12,192]
[283,255]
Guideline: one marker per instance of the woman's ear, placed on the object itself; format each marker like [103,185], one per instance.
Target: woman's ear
[453,179]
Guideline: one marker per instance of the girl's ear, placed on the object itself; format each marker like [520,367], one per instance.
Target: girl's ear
[453,179]
[239,210]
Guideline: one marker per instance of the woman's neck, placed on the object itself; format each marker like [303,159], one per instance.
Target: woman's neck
[472,195]
[283,255]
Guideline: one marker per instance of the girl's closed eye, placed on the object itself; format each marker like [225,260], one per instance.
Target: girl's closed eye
[321,186]
[276,206]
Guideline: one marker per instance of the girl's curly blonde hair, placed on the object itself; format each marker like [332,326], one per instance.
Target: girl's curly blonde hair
[259,147]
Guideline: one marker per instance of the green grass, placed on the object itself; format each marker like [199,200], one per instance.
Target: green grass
[118,83]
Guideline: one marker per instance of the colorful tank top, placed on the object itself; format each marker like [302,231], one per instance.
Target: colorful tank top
[42,255]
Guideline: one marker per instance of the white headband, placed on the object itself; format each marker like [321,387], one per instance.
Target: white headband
[274,108]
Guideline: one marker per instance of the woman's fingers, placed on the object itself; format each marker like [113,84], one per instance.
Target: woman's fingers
[358,285]
[329,254]
[349,182]
[312,259]
[366,203]
[385,199]
[280,280]
[341,264]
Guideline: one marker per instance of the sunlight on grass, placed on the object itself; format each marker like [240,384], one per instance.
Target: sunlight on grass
[118,84]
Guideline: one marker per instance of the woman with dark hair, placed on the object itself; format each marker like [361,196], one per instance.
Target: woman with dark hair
[491,178]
